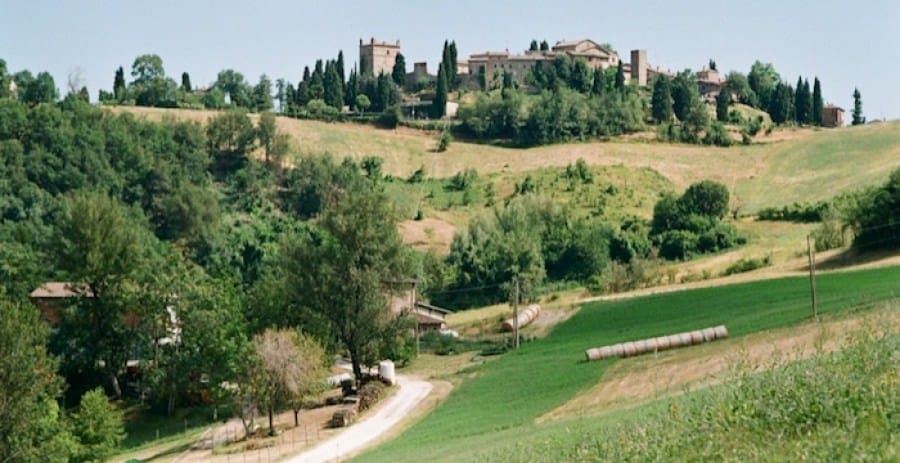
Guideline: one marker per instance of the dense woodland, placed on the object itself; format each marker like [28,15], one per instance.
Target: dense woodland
[153,220]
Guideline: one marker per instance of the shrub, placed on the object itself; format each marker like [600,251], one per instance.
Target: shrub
[418,176]
[444,141]
[463,180]
[746,265]
[389,118]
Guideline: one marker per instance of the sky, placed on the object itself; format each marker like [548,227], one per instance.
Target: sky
[846,44]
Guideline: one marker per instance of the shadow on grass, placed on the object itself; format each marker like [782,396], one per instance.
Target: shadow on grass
[853,257]
[146,426]
[169,452]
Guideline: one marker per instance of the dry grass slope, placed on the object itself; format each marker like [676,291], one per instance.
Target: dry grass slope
[796,165]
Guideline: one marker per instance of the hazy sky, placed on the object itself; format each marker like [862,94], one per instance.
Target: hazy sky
[844,43]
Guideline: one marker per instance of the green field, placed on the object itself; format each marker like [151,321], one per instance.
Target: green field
[500,402]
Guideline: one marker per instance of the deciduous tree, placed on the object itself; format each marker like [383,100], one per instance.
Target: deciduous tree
[355,250]
[30,426]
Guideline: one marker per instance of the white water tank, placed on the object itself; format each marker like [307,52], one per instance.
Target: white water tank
[386,371]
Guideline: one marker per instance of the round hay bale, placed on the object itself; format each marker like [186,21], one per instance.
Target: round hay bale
[640,347]
[696,337]
[662,343]
[721,332]
[709,334]
[684,339]
[651,345]
[628,349]
[617,350]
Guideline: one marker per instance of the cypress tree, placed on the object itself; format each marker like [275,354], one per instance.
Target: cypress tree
[858,117]
[620,77]
[186,82]
[452,76]
[352,89]
[333,87]
[661,102]
[119,85]
[545,46]
[398,73]
[802,103]
[817,104]
[598,84]
[439,105]
[340,66]
[723,99]
[533,46]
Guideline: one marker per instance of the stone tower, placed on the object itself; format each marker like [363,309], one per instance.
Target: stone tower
[377,57]
[639,67]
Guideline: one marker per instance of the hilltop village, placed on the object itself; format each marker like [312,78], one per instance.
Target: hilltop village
[380,57]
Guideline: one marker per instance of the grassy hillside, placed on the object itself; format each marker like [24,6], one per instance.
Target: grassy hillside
[787,166]
[500,402]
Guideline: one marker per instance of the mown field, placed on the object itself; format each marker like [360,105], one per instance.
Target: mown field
[498,404]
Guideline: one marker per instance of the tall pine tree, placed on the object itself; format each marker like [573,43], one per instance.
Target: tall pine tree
[119,88]
[802,103]
[334,88]
[439,105]
[452,75]
[818,105]
[186,82]
[340,66]
[398,73]
[661,102]
[723,100]
[620,77]
[858,117]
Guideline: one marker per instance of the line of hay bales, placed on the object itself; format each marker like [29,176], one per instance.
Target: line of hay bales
[525,317]
[661,343]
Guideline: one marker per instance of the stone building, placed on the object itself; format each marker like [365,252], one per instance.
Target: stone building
[832,116]
[376,57]
[710,83]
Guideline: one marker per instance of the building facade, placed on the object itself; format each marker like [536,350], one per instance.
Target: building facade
[376,57]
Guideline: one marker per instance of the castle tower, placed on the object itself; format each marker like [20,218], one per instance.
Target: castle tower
[639,67]
[377,57]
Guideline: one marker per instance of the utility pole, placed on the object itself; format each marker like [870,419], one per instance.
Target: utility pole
[812,276]
[413,296]
[516,316]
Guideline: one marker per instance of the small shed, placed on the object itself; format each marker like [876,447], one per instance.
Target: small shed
[832,116]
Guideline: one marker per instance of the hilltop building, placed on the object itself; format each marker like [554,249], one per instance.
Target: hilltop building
[832,116]
[710,83]
[495,63]
[376,57]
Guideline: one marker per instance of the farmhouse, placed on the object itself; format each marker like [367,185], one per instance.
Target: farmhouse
[404,301]
[52,297]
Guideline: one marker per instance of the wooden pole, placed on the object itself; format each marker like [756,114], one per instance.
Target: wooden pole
[415,312]
[516,316]
[812,276]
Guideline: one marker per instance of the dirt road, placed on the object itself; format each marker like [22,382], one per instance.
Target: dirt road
[368,430]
